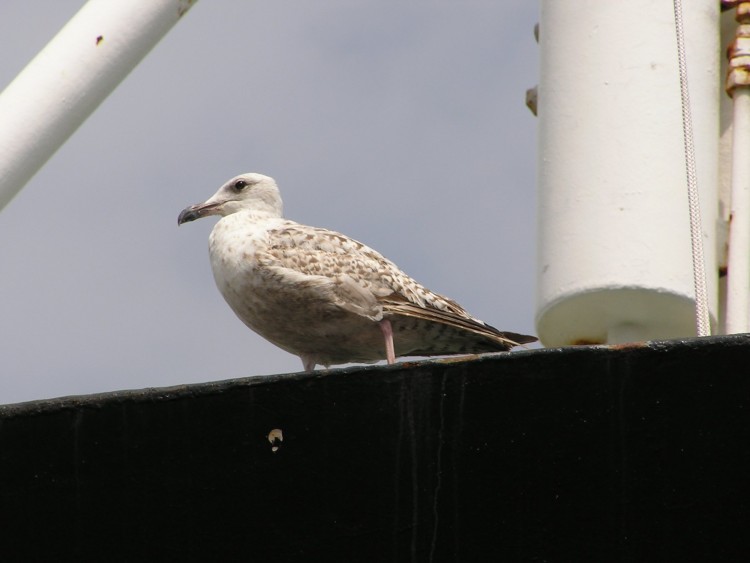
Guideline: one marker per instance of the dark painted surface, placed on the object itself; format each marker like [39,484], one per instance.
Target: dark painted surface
[582,454]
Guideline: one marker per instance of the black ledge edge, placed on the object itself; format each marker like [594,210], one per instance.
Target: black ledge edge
[631,453]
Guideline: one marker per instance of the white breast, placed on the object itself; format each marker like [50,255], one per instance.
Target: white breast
[233,245]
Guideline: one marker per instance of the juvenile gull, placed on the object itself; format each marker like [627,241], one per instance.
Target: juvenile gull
[323,296]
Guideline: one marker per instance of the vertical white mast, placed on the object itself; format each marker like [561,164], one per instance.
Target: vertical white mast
[614,247]
[738,259]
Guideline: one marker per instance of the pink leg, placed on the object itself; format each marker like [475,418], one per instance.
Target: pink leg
[308,363]
[387,330]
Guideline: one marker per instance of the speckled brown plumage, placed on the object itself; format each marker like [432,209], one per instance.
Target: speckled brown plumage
[322,295]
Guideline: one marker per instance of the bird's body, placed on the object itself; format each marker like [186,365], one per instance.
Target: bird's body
[324,296]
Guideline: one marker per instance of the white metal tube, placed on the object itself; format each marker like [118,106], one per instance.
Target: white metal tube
[738,261]
[614,231]
[71,76]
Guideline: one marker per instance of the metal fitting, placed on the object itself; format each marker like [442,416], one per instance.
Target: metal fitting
[738,51]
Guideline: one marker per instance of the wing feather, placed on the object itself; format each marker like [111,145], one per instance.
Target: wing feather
[363,281]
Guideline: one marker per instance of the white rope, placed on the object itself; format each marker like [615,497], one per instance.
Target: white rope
[703,322]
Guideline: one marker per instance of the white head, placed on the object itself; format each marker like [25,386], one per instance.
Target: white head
[251,192]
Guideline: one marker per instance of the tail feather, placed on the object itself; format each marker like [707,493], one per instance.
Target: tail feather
[503,340]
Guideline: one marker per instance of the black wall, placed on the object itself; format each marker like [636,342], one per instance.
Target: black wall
[637,453]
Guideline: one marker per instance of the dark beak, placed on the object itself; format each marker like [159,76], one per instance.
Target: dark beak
[195,212]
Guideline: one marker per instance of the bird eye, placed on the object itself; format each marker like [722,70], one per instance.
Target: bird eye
[240,185]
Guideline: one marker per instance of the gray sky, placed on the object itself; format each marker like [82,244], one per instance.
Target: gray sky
[402,125]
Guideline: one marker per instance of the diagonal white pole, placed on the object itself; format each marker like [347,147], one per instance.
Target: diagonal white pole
[71,76]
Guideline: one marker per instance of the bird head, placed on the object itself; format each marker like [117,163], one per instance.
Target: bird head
[253,192]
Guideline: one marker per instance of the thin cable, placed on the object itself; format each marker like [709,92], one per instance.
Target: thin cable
[702,321]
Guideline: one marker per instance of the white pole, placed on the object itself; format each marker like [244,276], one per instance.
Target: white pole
[71,76]
[738,259]
[615,258]
[738,267]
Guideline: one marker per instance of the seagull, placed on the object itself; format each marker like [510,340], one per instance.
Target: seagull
[323,296]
